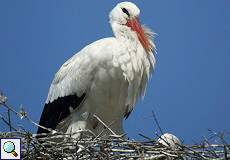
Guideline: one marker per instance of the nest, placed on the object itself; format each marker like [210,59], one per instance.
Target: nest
[114,147]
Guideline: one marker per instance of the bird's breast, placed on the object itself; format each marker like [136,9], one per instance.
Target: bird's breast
[110,87]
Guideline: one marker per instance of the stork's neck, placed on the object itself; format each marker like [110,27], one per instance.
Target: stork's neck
[125,35]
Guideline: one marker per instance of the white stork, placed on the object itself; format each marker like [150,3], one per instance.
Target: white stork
[100,85]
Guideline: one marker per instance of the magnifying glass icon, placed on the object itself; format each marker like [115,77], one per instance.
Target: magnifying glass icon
[9,147]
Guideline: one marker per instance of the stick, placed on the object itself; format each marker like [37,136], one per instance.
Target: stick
[157,123]
[8,123]
[15,112]
[107,127]
[8,111]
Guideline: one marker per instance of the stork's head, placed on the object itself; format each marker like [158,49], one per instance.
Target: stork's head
[126,14]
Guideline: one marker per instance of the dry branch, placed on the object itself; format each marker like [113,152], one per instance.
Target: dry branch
[115,147]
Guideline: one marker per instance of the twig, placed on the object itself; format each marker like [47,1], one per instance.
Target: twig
[113,147]
[168,154]
[22,127]
[8,124]
[163,139]
[225,147]
[15,112]
[9,121]
[146,137]
[157,122]
[211,148]
[107,127]
[195,152]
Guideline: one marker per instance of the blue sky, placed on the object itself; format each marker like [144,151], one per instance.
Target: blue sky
[190,88]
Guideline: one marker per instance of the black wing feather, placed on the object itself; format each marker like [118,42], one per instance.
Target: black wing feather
[56,111]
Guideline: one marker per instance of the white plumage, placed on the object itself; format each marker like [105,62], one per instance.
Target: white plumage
[169,140]
[104,79]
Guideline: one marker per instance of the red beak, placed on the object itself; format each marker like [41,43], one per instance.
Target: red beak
[134,24]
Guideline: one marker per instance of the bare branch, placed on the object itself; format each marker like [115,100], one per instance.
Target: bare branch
[106,127]
[157,123]
[27,118]
[8,123]
[112,147]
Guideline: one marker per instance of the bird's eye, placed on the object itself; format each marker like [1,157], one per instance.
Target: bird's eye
[125,11]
